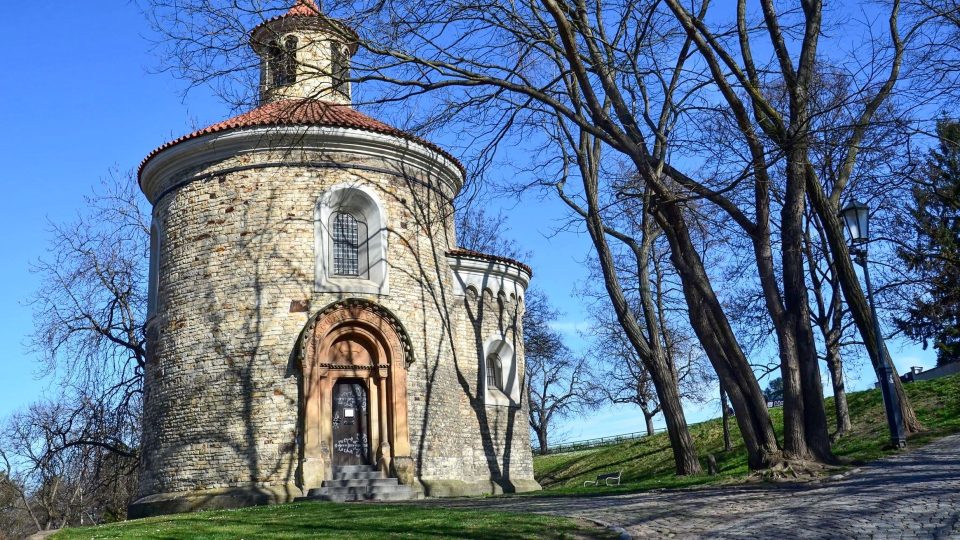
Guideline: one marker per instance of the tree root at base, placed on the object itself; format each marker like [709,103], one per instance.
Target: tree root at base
[792,470]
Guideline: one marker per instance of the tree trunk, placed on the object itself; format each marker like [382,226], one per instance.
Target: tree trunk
[794,442]
[719,342]
[648,418]
[835,363]
[542,439]
[816,436]
[668,390]
[850,284]
[664,380]
[725,414]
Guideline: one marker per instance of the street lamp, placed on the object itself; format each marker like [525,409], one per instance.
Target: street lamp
[856,218]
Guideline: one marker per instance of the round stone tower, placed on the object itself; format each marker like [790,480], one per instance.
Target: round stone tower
[309,310]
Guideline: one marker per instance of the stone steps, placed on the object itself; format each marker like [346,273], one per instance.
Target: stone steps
[360,483]
[359,475]
[354,468]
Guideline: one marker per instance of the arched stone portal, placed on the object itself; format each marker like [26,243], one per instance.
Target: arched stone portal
[364,343]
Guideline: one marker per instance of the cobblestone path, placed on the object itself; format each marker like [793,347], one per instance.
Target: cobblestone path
[912,495]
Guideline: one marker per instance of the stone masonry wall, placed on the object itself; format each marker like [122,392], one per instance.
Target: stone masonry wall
[504,453]
[237,265]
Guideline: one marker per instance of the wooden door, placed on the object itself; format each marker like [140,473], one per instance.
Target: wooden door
[350,420]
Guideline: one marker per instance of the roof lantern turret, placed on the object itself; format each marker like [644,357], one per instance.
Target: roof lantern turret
[304,55]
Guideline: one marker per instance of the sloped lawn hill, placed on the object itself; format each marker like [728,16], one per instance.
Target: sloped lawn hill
[647,463]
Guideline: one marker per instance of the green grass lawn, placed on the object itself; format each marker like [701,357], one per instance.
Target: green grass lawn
[647,463]
[332,520]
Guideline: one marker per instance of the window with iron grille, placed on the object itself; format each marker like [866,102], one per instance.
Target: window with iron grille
[346,244]
[494,376]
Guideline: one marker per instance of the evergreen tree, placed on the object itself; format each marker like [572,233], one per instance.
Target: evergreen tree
[774,390]
[934,316]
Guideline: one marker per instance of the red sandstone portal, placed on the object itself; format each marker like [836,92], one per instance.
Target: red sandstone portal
[360,341]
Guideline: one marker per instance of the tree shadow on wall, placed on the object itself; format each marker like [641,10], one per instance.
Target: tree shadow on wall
[433,215]
[244,274]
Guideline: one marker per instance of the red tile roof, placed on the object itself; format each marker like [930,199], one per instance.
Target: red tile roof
[303,8]
[304,112]
[470,254]
[306,8]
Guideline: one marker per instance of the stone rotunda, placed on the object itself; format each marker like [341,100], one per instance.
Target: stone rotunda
[312,322]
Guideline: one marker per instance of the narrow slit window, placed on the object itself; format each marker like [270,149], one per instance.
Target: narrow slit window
[274,61]
[290,46]
[154,275]
[340,70]
[282,62]
[494,372]
[346,245]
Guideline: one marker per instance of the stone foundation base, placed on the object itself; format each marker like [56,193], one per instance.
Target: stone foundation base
[211,499]
[460,488]
[239,497]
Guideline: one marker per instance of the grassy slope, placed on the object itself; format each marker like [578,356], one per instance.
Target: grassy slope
[331,520]
[648,463]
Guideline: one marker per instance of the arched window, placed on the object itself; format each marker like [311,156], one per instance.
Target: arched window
[339,68]
[501,374]
[290,46]
[351,241]
[282,62]
[494,372]
[349,236]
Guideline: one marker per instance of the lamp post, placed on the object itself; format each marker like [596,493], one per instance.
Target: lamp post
[856,218]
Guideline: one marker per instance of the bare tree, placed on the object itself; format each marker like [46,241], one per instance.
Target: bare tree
[574,85]
[536,71]
[16,513]
[829,316]
[75,454]
[559,381]
[90,308]
[60,481]
[791,130]
[486,233]
[90,311]
[625,377]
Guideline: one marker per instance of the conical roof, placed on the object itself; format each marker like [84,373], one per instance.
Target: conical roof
[304,112]
[304,12]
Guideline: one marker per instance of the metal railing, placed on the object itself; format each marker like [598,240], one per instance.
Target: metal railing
[593,443]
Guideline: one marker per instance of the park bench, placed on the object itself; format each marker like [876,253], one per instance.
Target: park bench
[606,478]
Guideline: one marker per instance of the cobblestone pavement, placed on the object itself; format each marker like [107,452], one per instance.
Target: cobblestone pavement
[911,495]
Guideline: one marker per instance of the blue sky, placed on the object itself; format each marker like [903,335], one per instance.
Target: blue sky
[79,98]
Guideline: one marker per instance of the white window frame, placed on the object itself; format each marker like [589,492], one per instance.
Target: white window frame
[509,395]
[363,203]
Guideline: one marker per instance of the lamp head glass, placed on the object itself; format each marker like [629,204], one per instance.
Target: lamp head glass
[856,218]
